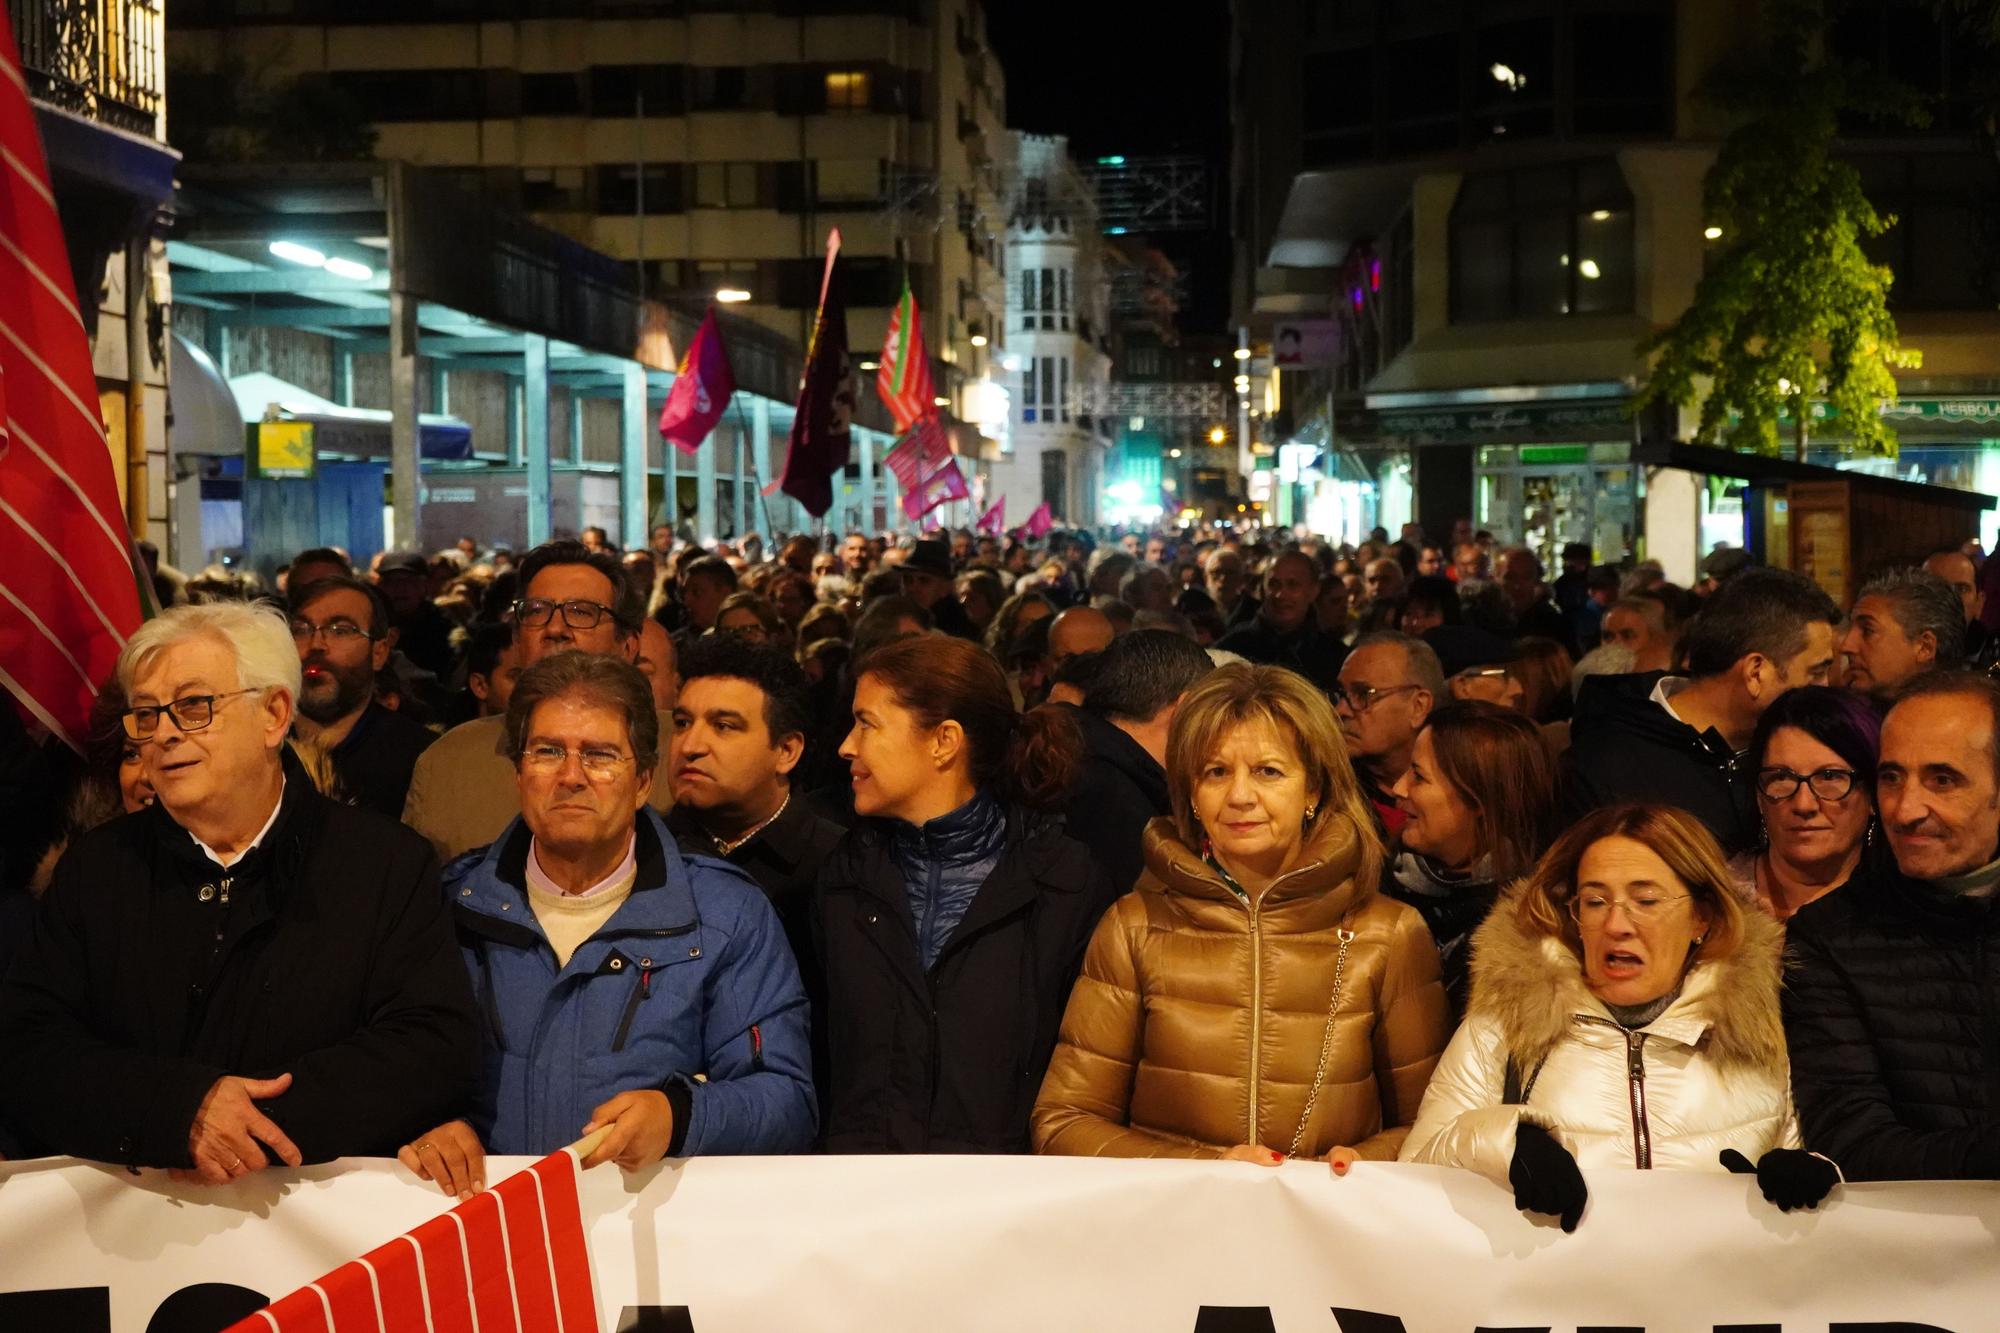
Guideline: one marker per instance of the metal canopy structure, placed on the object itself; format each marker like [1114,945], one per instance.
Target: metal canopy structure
[393,260]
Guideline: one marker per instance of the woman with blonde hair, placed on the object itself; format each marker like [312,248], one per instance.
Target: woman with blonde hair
[1624,1013]
[1253,998]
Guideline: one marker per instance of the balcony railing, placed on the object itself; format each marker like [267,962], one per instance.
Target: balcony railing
[98,58]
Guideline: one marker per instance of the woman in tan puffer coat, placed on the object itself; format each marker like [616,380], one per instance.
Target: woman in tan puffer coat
[1624,1013]
[1253,997]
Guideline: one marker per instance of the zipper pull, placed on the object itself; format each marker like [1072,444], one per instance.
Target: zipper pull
[645,983]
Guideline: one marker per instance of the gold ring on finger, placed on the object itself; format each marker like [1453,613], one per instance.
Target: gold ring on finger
[427,1144]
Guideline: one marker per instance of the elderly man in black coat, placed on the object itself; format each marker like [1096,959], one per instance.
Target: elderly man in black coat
[1892,1002]
[1121,785]
[246,973]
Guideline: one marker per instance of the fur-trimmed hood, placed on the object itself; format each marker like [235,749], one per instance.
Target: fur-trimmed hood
[1532,986]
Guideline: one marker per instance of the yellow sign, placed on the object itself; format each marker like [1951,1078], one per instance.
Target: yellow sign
[284,449]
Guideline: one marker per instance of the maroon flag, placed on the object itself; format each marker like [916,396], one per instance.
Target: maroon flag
[1040,521]
[917,454]
[944,484]
[994,520]
[702,389]
[69,589]
[903,377]
[821,424]
[512,1258]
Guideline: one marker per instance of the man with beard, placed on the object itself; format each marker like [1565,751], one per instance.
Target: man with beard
[340,626]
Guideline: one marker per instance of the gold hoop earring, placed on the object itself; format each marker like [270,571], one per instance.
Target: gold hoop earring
[1311,811]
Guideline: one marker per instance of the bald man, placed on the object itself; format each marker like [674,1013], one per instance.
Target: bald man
[1081,629]
[1285,632]
[1229,584]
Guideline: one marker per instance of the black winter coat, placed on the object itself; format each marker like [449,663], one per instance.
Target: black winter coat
[950,1060]
[1892,1014]
[1625,747]
[1308,650]
[1119,789]
[330,956]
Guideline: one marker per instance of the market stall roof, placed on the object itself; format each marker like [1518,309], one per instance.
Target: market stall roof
[1762,470]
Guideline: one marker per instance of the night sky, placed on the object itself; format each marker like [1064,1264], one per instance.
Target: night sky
[1132,81]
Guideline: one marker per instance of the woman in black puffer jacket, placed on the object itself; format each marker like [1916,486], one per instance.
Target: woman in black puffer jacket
[952,920]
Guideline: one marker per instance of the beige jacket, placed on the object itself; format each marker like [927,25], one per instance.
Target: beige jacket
[463,792]
[1198,1021]
[1708,1074]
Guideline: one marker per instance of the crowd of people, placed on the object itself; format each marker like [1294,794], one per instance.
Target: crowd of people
[1196,844]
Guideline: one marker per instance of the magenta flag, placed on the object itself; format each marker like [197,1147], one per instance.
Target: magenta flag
[1040,521]
[946,483]
[994,520]
[702,389]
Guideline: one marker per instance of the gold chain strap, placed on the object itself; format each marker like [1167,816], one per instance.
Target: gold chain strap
[1325,1042]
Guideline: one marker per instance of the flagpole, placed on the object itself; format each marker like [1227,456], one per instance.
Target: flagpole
[756,478]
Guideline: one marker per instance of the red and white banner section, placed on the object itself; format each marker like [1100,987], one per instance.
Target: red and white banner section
[889,1244]
[511,1258]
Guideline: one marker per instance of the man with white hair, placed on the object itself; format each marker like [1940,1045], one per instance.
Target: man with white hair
[245,973]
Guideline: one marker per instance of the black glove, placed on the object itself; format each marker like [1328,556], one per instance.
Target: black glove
[1790,1177]
[1544,1176]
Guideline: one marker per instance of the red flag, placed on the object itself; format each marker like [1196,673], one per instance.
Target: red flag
[945,483]
[1040,521]
[69,592]
[994,520]
[917,454]
[903,375]
[513,1257]
[702,389]
[821,442]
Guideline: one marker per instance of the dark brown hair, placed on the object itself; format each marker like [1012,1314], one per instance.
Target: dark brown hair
[1028,758]
[1497,763]
[598,678]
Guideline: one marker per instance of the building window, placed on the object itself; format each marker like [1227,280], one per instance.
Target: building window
[617,189]
[1539,242]
[1048,365]
[1062,301]
[1029,400]
[1942,249]
[726,185]
[847,90]
[1062,403]
[848,180]
[721,88]
[553,189]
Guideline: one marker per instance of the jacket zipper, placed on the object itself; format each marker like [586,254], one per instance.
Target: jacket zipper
[1256,1023]
[1635,1068]
[642,991]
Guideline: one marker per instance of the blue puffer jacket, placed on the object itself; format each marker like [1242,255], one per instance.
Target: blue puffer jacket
[689,988]
[943,863]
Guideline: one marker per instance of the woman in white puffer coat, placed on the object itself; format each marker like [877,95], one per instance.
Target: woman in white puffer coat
[1624,1013]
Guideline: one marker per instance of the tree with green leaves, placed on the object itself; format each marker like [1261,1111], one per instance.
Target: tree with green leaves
[1791,309]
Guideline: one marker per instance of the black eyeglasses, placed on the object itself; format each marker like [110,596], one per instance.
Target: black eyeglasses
[336,632]
[191,712]
[1829,784]
[1361,698]
[577,613]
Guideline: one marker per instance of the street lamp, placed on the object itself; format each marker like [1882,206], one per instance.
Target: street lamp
[1216,435]
[1242,354]
[978,340]
[732,295]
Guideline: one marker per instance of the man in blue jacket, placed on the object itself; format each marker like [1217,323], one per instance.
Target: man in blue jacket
[620,983]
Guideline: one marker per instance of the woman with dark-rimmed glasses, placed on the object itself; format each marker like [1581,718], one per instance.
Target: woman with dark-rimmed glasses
[1812,761]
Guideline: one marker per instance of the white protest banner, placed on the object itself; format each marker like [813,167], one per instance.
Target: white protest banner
[936,1243]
